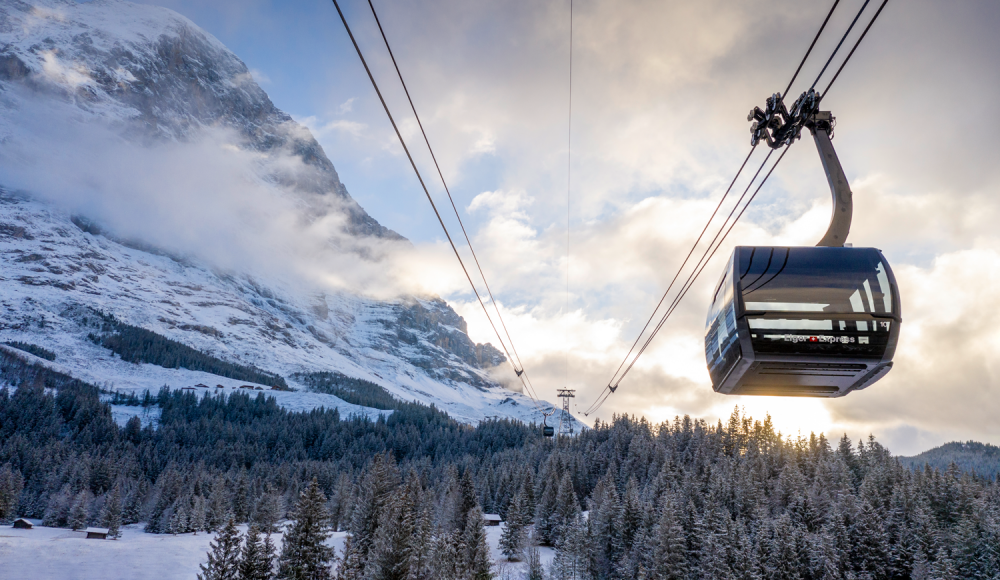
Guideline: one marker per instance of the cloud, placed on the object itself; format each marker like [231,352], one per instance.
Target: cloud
[660,95]
[208,198]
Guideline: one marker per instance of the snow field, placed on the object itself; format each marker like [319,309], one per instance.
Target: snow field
[45,553]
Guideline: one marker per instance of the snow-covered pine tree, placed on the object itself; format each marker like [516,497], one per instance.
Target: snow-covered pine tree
[218,511]
[535,569]
[513,536]
[132,511]
[447,562]
[304,555]
[477,554]
[223,555]
[197,516]
[256,559]
[943,567]
[242,504]
[80,512]
[377,483]
[389,556]
[669,547]
[567,507]
[268,512]
[545,512]
[179,518]
[422,538]
[570,562]
[111,517]
[352,565]
[11,484]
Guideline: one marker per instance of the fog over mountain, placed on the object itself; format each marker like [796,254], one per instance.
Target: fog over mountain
[144,174]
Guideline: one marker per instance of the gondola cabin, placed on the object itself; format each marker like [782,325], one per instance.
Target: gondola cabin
[802,321]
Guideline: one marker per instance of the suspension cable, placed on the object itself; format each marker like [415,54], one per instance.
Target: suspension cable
[855,47]
[707,256]
[839,44]
[616,379]
[443,182]
[692,278]
[423,185]
[700,267]
[569,182]
[811,45]
[684,263]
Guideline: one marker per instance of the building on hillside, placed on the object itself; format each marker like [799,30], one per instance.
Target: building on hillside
[23,524]
[491,519]
[97,533]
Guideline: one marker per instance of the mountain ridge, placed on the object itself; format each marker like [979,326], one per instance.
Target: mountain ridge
[158,84]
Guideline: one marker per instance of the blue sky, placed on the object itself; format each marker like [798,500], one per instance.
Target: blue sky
[661,91]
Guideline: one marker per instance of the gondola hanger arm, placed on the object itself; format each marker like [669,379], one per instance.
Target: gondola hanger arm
[778,126]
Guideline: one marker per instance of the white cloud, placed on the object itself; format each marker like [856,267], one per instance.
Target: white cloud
[347,106]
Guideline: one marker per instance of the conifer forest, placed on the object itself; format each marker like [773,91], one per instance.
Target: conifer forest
[685,499]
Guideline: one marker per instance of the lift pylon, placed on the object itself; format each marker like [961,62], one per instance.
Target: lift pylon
[565,419]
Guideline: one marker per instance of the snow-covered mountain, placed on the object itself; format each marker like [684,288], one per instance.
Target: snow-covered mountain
[150,81]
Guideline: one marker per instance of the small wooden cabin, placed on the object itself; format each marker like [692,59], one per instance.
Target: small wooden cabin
[23,524]
[491,519]
[97,533]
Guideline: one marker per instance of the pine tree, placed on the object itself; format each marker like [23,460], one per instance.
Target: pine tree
[179,519]
[80,512]
[943,568]
[111,518]
[257,558]
[389,557]
[304,555]
[218,511]
[268,512]
[197,515]
[421,540]
[669,547]
[11,484]
[567,507]
[352,566]
[535,570]
[513,536]
[570,562]
[223,556]
[132,512]
[477,554]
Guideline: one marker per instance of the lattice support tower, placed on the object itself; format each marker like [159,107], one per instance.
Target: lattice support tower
[565,419]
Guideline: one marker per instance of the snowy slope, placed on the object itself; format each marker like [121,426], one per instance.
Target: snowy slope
[57,553]
[54,276]
[151,84]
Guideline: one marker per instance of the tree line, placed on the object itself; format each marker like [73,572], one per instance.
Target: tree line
[684,499]
[138,345]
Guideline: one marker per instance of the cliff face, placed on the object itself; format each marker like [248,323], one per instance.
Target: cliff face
[157,76]
[154,77]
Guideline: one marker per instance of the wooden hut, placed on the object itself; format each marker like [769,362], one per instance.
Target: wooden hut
[23,524]
[491,519]
[97,533]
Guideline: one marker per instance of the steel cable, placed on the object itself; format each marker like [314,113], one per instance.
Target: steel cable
[855,47]
[423,185]
[692,278]
[839,44]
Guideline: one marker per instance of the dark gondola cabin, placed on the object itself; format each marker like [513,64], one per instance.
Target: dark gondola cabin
[802,321]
